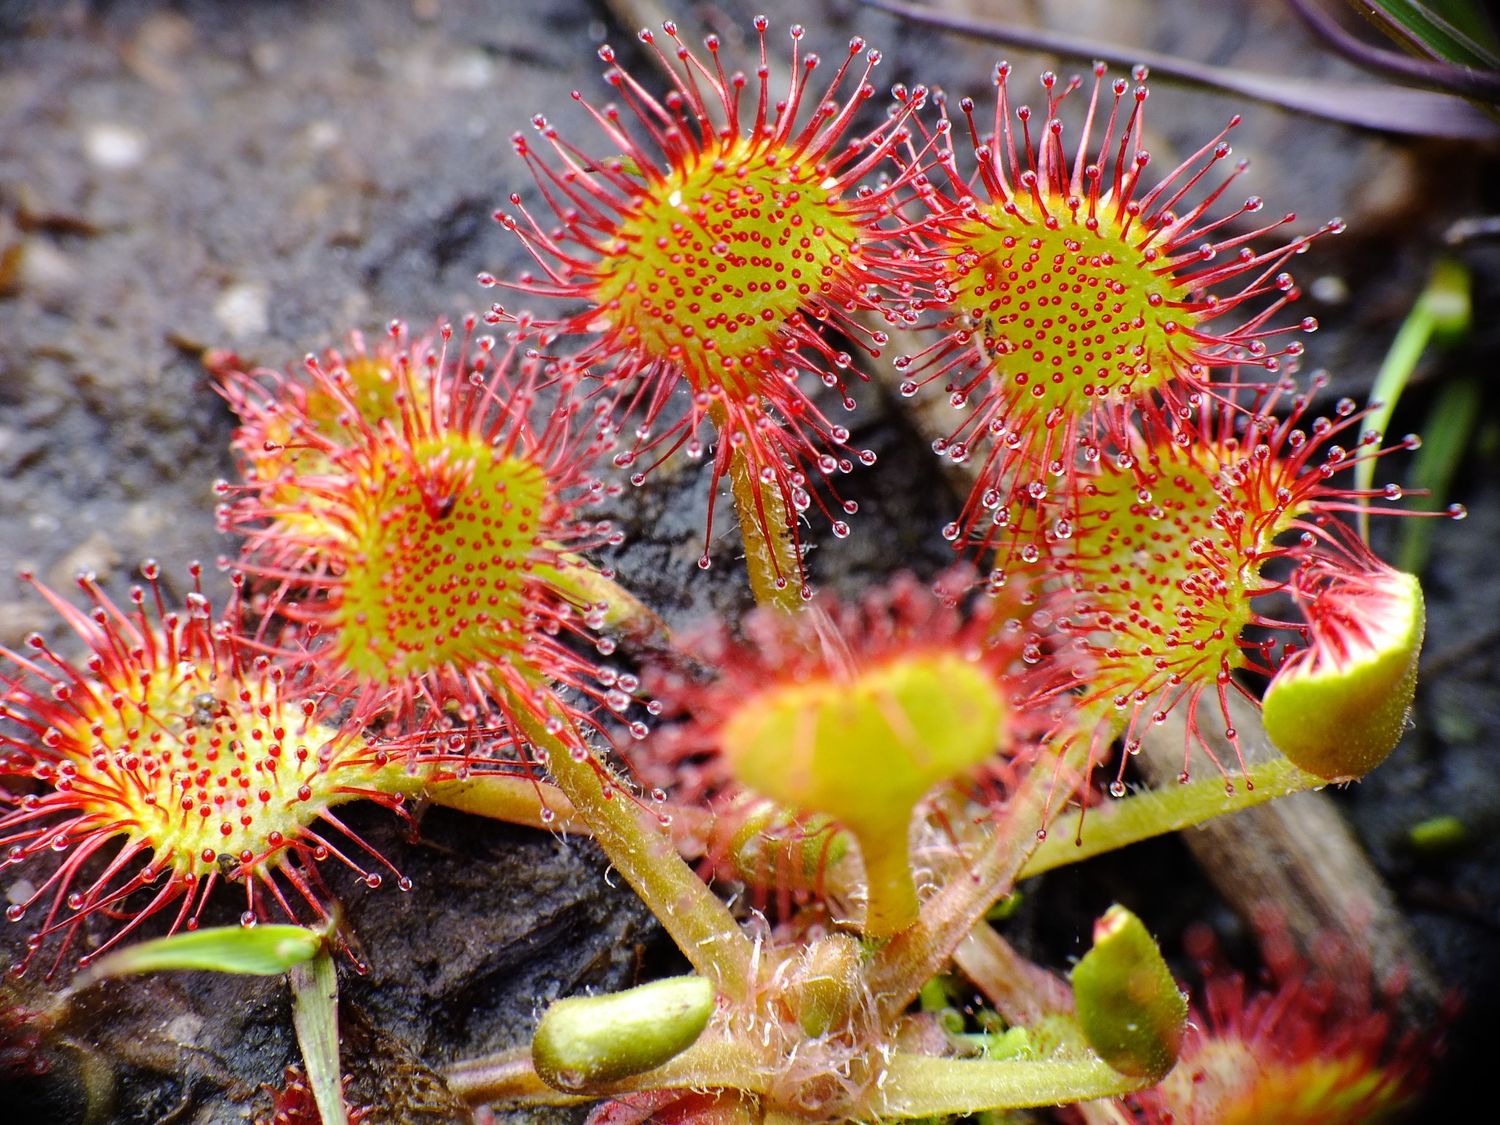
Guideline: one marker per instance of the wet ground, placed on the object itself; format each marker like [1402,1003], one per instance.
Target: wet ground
[267,177]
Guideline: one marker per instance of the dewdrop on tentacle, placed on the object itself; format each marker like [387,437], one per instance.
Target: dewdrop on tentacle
[174,756]
[444,568]
[710,239]
[1178,550]
[845,717]
[1079,294]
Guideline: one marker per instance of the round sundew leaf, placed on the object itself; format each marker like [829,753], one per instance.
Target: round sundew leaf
[1230,1084]
[866,750]
[1112,336]
[439,559]
[1339,714]
[723,253]
[178,748]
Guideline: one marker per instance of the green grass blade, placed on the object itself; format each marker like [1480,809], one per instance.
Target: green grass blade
[1447,433]
[315,1000]
[1453,30]
[1441,312]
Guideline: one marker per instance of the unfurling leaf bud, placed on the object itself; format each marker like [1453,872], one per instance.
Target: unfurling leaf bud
[586,1041]
[1128,1004]
[1340,710]
[773,845]
[825,984]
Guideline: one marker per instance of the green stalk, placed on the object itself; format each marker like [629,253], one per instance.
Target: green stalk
[1155,812]
[1023,993]
[642,851]
[911,958]
[714,1064]
[924,1086]
[585,585]
[515,800]
[899,968]
[505,1077]
[890,892]
[774,562]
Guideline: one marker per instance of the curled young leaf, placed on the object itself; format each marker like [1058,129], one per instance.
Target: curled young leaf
[1340,708]
[586,1041]
[1128,1004]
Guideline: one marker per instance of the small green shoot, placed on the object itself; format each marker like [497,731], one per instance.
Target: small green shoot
[1441,314]
[585,1041]
[1438,835]
[315,1016]
[265,950]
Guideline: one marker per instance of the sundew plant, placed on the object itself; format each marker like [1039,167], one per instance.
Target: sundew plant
[822,799]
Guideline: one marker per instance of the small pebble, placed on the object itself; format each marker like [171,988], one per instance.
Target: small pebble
[114,147]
